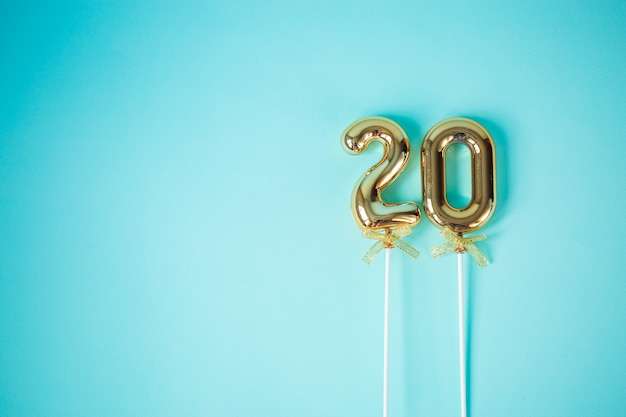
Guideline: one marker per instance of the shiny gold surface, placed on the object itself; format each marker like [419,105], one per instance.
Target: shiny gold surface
[368,209]
[483,163]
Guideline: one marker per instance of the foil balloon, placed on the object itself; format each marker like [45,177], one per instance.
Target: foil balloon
[369,210]
[457,221]
[386,223]
[483,197]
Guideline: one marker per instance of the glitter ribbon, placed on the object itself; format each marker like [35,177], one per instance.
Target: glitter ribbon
[389,239]
[460,244]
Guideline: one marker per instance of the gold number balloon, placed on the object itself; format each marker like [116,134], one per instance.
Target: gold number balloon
[368,209]
[483,198]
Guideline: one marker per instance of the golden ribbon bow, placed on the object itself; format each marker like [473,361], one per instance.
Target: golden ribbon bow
[460,244]
[389,239]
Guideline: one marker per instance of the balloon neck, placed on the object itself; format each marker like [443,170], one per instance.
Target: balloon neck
[460,247]
[388,241]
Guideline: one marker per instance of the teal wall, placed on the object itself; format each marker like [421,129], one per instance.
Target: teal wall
[175,227]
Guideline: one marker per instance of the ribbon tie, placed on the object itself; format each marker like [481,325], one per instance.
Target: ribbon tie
[460,244]
[389,239]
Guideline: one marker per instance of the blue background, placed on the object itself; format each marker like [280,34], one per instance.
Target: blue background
[175,227]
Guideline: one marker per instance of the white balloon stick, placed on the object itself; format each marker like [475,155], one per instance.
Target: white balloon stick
[386,337]
[462,337]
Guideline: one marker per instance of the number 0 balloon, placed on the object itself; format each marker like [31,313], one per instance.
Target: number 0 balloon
[457,221]
[483,199]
